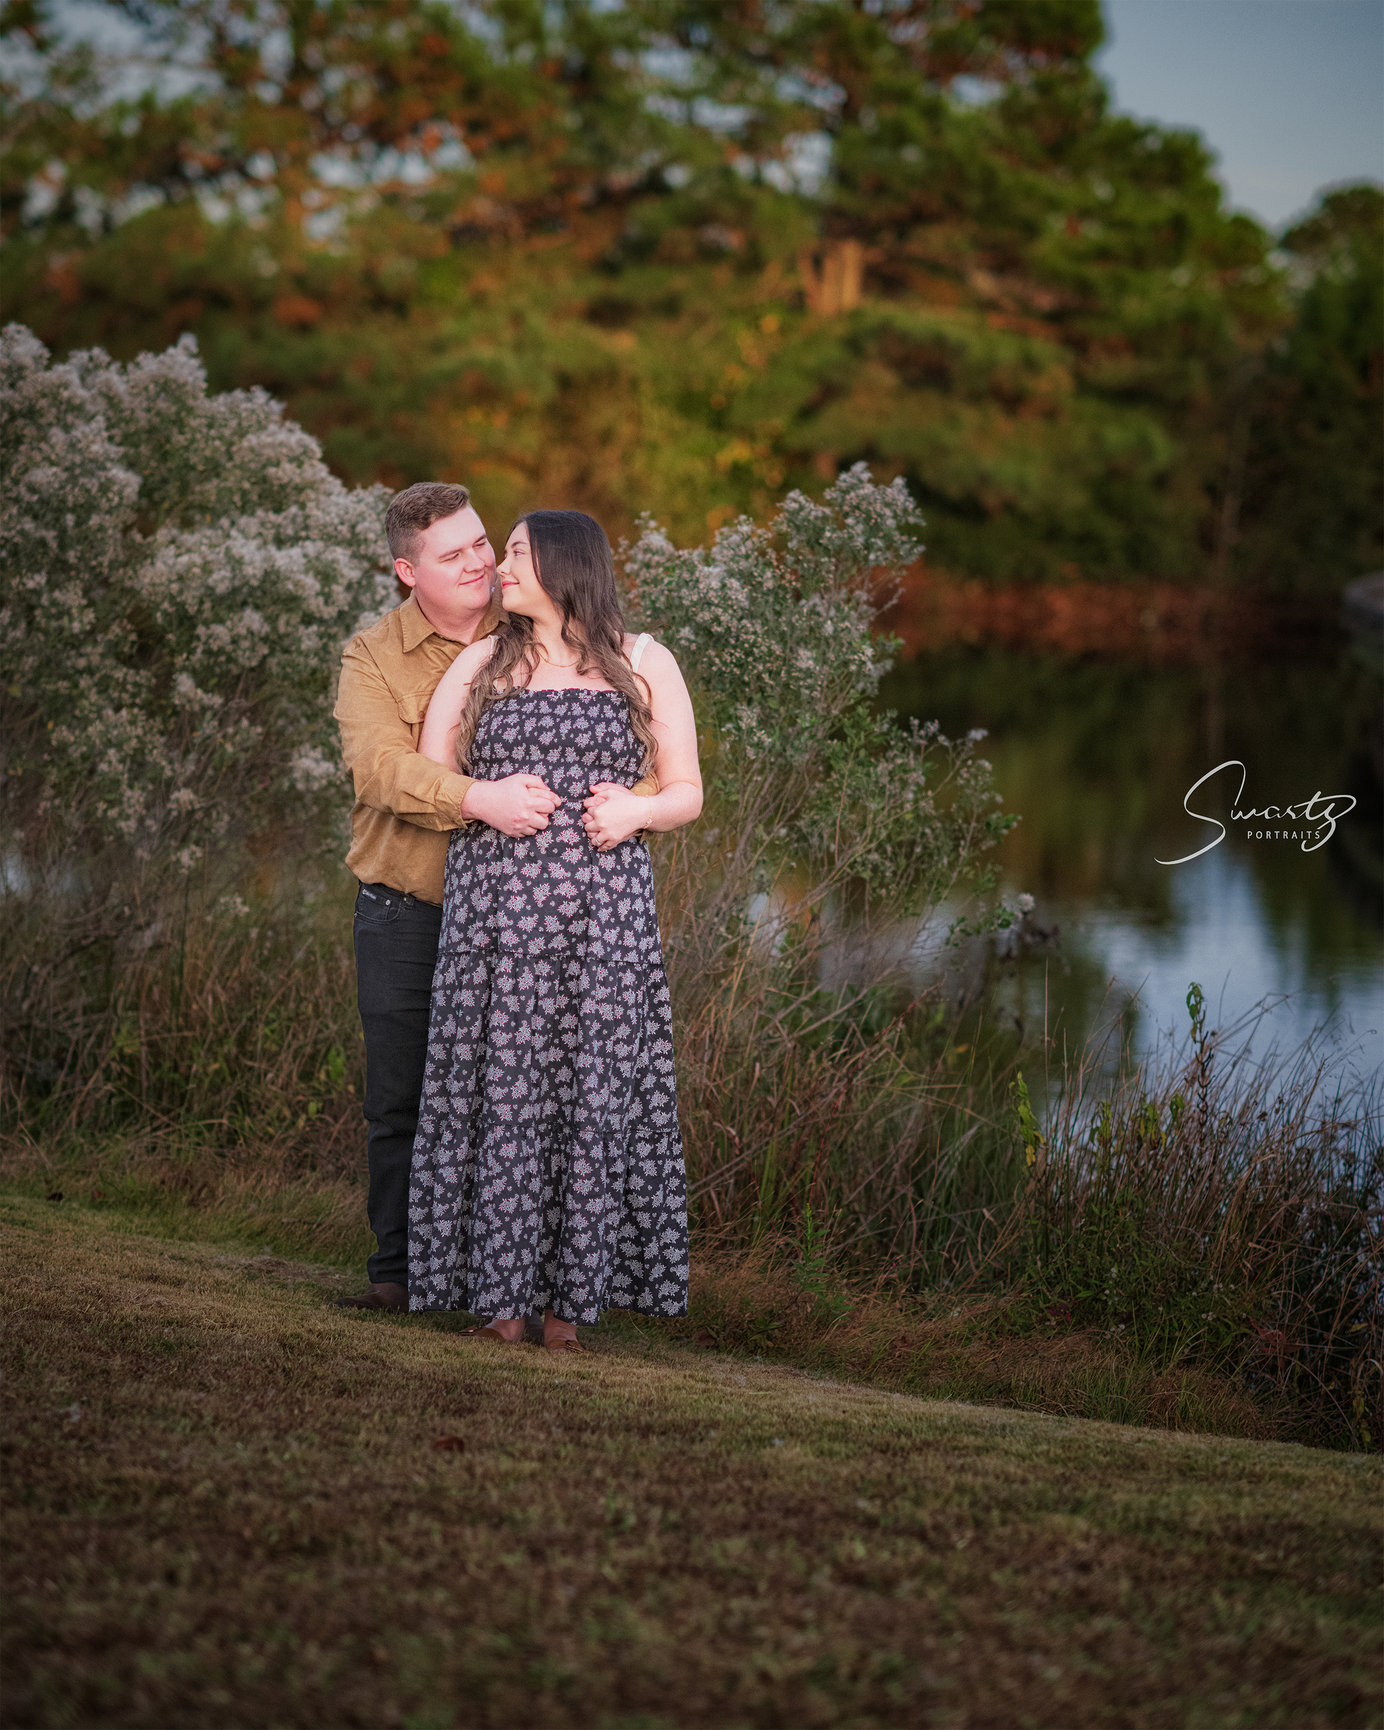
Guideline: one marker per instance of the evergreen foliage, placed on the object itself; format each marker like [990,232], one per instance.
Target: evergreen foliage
[686,257]
[1315,434]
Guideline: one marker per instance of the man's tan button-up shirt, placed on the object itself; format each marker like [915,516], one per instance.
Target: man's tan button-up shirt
[406,806]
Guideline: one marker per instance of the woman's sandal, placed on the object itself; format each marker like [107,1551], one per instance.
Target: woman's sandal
[565,1346]
[488,1333]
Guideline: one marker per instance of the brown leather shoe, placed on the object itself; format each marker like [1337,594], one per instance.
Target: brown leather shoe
[377,1297]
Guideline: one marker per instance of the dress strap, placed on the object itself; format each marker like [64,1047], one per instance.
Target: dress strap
[641,642]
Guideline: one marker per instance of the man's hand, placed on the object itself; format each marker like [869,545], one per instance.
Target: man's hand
[612,813]
[519,805]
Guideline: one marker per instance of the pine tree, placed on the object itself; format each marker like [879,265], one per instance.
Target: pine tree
[682,256]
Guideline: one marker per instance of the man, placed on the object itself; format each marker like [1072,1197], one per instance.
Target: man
[405,811]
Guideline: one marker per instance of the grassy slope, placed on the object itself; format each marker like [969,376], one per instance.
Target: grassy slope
[229,1509]
[750,1303]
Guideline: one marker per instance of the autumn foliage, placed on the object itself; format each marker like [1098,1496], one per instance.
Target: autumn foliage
[683,257]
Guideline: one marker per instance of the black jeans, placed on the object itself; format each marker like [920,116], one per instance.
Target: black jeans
[396,951]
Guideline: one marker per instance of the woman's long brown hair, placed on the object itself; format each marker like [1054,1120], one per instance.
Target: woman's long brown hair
[572,558]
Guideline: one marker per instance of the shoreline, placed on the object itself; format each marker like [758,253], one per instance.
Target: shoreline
[1154,621]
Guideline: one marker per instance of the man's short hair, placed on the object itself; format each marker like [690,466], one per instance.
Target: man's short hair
[417,508]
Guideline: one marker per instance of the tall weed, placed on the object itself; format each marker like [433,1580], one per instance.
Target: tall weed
[1215,1209]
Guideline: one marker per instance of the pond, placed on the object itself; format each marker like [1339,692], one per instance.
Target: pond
[1097,755]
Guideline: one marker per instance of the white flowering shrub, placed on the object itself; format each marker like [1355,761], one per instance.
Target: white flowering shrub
[774,626]
[180,571]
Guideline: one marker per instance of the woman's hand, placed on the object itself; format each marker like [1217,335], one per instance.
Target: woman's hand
[519,805]
[612,813]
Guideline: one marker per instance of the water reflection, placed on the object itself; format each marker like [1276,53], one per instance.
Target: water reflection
[1097,756]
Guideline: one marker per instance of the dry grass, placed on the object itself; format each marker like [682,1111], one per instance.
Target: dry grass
[958,1349]
[229,1509]
[1207,1233]
[751,1303]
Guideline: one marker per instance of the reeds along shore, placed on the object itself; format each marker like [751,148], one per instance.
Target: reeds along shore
[1197,1245]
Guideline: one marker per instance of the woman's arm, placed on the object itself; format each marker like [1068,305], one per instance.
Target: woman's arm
[614,813]
[438,739]
[518,805]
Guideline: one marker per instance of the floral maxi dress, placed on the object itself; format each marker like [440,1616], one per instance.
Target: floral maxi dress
[547,1169]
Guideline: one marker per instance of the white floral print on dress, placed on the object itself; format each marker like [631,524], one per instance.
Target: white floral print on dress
[547,1168]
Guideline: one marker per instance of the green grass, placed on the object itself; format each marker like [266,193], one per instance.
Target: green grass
[756,1303]
[228,1508]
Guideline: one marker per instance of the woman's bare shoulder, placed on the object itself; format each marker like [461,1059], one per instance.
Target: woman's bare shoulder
[470,661]
[478,653]
[658,659]
[452,687]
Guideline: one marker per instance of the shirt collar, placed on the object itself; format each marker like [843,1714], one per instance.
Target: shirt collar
[413,624]
[414,627]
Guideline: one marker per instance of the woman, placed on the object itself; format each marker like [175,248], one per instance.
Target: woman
[547,1169]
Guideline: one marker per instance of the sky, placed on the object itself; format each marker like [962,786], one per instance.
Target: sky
[1289,94]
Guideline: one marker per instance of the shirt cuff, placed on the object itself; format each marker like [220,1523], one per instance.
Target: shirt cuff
[451,791]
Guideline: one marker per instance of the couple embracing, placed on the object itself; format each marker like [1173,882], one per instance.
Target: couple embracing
[509,743]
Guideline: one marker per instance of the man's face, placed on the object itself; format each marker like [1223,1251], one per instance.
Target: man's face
[453,565]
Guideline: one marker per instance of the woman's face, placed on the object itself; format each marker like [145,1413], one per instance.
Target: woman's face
[520,590]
